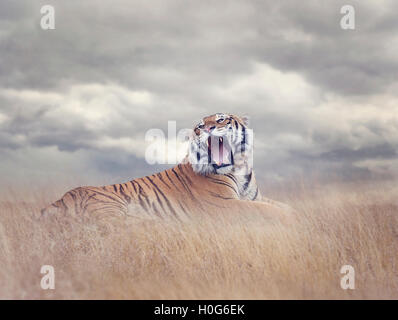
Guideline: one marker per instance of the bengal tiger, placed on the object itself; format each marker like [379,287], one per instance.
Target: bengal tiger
[216,176]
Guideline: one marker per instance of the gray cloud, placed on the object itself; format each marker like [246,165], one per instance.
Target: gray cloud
[123,40]
[318,96]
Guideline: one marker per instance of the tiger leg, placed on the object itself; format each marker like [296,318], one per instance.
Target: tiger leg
[88,200]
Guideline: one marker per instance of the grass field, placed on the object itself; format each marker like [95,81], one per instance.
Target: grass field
[206,258]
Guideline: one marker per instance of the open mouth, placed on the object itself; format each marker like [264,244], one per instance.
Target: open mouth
[219,152]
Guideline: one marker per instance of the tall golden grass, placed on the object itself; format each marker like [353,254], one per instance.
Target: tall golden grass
[242,257]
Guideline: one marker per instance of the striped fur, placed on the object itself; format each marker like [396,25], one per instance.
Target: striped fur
[177,191]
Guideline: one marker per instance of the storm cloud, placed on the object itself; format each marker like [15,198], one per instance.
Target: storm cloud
[79,99]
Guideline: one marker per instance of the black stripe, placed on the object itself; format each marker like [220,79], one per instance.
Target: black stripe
[71,193]
[249,179]
[140,195]
[96,202]
[63,205]
[181,181]
[184,174]
[181,206]
[187,189]
[209,156]
[218,196]
[83,194]
[142,179]
[165,198]
[117,199]
[142,203]
[110,206]
[159,175]
[223,183]
[87,203]
[172,182]
[243,143]
[135,190]
[158,199]
[255,196]
[156,209]
[231,176]
[143,193]
[126,197]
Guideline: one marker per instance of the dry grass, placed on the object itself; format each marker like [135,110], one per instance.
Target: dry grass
[239,258]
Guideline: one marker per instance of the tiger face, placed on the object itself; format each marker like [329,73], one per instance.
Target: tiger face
[219,144]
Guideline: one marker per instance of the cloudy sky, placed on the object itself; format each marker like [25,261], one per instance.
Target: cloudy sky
[77,101]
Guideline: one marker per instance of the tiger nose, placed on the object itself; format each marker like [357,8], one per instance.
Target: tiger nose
[210,129]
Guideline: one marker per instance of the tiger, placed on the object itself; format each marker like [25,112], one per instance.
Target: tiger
[215,176]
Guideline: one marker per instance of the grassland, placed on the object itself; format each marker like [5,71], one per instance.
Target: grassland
[243,257]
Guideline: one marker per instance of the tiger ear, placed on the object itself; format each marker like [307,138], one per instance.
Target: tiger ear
[246,120]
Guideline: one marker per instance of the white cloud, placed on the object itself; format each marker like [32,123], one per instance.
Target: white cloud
[110,72]
[270,89]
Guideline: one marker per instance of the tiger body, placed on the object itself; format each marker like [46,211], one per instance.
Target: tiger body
[172,192]
[223,182]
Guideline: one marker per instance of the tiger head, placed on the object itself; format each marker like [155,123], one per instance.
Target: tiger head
[220,144]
